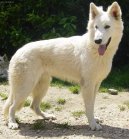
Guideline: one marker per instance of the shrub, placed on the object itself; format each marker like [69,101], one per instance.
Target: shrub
[45,105]
[61,101]
[74,89]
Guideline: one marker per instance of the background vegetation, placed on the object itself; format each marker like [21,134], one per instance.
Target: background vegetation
[22,21]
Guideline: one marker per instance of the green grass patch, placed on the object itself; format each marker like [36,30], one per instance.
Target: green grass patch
[117,79]
[122,107]
[78,114]
[74,89]
[3,96]
[60,83]
[64,125]
[3,81]
[127,103]
[45,106]
[38,126]
[61,101]
[58,108]
[27,103]
[103,89]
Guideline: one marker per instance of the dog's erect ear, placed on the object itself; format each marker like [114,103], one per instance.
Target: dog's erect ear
[93,11]
[115,10]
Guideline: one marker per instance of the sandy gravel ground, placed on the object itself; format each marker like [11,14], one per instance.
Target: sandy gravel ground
[115,122]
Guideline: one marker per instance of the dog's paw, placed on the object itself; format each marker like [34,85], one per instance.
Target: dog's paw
[95,126]
[13,125]
[49,116]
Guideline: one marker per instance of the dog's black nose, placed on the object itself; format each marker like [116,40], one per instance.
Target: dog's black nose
[98,41]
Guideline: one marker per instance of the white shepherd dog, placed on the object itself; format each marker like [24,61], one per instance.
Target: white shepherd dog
[85,60]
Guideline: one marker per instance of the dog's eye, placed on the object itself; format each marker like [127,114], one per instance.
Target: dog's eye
[96,27]
[107,27]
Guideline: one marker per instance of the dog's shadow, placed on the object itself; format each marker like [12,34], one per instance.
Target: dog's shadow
[42,128]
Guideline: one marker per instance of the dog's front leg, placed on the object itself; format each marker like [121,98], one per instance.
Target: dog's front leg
[88,92]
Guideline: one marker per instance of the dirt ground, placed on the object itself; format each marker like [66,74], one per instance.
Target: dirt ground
[108,108]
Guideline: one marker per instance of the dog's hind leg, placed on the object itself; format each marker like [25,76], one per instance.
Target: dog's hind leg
[8,103]
[38,93]
[20,88]
[18,101]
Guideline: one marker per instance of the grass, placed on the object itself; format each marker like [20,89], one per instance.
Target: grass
[64,125]
[3,81]
[122,107]
[74,89]
[58,108]
[103,89]
[38,125]
[127,103]
[61,101]
[45,106]
[60,83]
[78,114]
[117,79]
[3,96]
[27,103]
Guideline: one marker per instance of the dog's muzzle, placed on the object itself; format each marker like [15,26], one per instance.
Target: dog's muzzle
[103,47]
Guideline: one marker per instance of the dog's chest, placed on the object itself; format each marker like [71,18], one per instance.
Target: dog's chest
[103,68]
[98,69]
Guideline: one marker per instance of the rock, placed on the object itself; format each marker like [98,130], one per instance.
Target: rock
[4,67]
[113,91]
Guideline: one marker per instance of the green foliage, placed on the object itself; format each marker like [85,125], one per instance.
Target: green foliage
[118,79]
[58,108]
[3,81]
[38,125]
[45,106]
[61,101]
[103,89]
[27,103]
[64,125]
[78,114]
[22,22]
[122,107]
[126,103]
[3,96]
[74,89]
[60,83]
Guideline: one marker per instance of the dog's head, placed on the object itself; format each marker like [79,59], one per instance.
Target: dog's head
[105,26]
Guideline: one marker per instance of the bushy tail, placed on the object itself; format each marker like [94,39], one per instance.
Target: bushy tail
[8,103]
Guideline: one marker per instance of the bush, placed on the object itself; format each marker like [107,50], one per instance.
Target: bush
[25,21]
[74,89]
[22,22]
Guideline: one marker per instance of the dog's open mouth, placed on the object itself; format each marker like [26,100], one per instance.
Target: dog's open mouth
[102,48]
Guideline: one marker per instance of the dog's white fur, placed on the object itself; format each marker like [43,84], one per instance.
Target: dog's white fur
[75,59]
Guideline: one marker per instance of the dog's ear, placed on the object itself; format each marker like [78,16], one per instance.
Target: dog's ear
[93,11]
[115,10]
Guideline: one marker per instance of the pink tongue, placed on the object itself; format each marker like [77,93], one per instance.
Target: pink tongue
[102,49]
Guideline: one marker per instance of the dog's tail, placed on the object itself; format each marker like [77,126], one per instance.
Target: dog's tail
[7,105]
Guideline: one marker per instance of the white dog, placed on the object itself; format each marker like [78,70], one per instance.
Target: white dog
[86,60]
